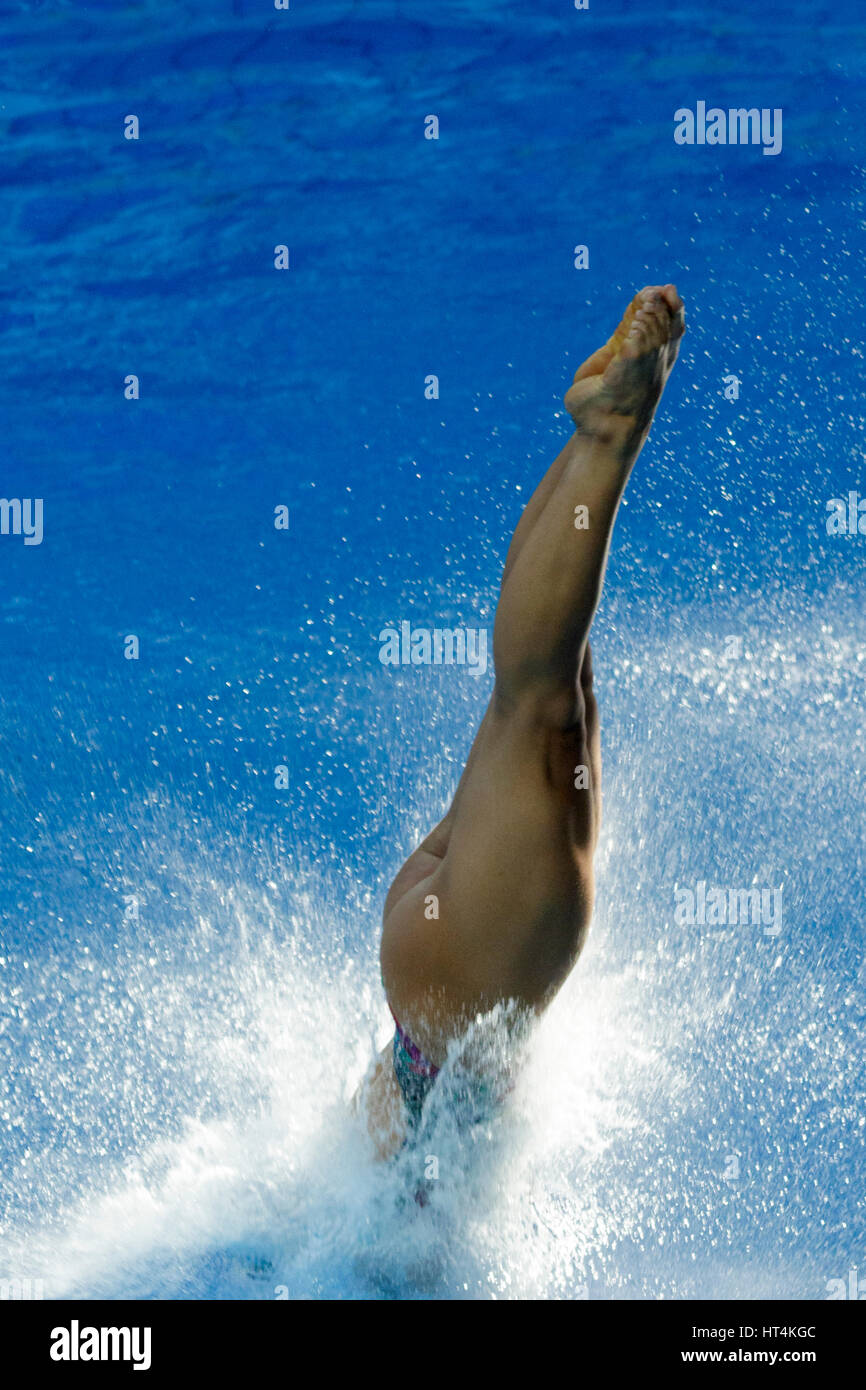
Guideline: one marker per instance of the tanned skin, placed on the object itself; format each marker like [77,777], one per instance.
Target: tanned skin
[511,863]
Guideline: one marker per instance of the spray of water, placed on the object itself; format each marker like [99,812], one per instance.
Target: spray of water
[687,1119]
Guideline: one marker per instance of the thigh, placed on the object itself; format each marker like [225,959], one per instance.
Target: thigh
[504,911]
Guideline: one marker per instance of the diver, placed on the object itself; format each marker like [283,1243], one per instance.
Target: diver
[510,866]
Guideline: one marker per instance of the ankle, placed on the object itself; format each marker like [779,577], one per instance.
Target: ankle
[607,430]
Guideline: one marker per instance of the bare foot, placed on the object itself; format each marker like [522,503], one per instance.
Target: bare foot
[616,391]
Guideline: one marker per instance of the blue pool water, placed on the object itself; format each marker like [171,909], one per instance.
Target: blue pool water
[188,954]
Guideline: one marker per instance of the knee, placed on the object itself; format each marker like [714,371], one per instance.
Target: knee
[587,689]
[557,706]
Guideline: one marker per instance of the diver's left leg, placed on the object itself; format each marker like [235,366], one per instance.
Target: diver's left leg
[380,1101]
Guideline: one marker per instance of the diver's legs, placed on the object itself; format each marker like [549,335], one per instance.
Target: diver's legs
[534,507]
[422,862]
[575,400]
[510,867]
[553,587]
